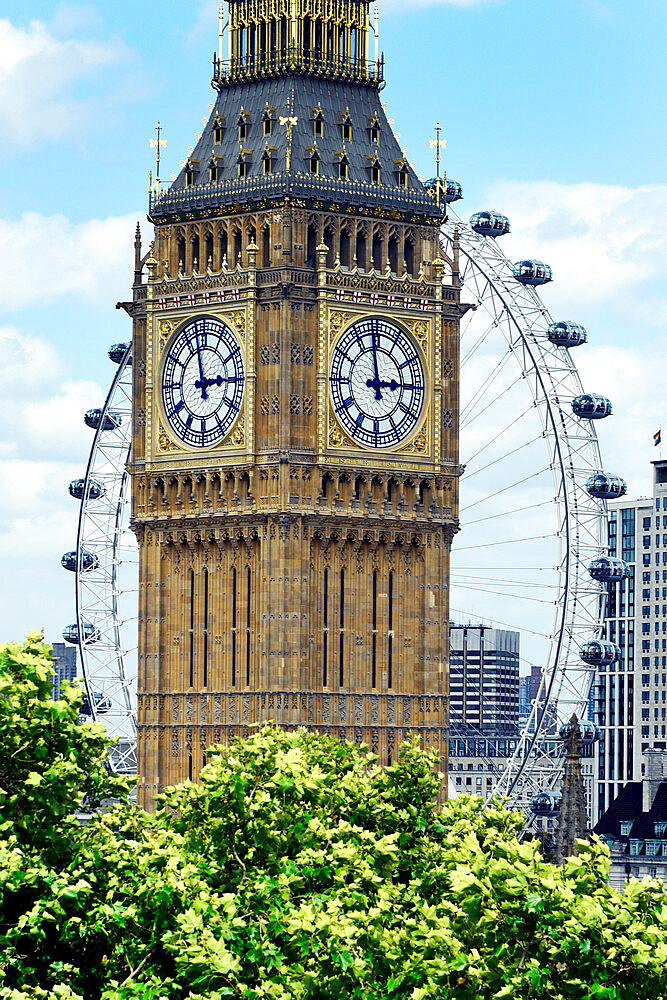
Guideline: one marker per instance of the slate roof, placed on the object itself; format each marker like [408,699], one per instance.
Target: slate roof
[628,806]
[303,95]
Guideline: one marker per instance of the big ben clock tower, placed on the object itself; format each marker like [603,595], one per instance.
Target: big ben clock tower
[295,450]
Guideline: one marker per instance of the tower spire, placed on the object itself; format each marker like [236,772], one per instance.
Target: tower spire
[572,825]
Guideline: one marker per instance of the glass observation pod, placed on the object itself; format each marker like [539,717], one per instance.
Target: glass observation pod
[591,406]
[453,191]
[545,804]
[567,334]
[90,633]
[93,418]
[588,731]
[88,561]
[606,486]
[599,651]
[490,223]
[117,353]
[532,272]
[608,569]
[102,704]
[95,489]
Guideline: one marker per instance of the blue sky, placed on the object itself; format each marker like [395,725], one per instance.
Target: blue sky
[553,113]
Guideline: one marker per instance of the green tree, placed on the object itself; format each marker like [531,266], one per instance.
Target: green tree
[299,869]
[50,764]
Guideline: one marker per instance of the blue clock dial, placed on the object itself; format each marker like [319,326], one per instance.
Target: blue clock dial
[202,382]
[377,383]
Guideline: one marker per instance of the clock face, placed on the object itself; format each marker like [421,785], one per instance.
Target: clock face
[376,380]
[202,382]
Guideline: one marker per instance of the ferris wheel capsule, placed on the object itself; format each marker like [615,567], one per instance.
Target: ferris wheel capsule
[87,561]
[545,804]
[454,191]
[90,634]
[110,422]
[490,224]
[532,272]
[102,704]
[599,651]
[591,406]
[117,352]
[606,486]
[77,489]
[567,334]
[608,569]
[587,731]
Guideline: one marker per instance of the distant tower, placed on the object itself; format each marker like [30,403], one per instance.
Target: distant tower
[295,450]
[572,825]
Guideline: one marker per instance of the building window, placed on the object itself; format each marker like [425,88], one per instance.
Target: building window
[343,166]
[314,164]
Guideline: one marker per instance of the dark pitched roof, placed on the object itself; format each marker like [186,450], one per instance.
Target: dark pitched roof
[628,805]
[297,97]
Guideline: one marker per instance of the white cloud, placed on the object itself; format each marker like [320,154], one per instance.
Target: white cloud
[48,256]
[603,242]
[607,246]
[634,380]
[36,73]
[44,444]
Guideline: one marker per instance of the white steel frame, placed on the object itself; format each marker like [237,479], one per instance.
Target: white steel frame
[103,593]
[573,454]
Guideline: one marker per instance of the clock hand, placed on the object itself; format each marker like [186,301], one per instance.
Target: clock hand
[201,385]
[376,381]
[377,384]
[218,380]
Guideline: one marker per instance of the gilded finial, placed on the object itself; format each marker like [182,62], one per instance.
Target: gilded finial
[157,144]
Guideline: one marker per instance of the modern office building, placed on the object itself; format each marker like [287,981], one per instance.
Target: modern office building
[630,695]
[484,678]
[484,705]
[64,667]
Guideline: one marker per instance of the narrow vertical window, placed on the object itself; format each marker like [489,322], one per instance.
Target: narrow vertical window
[390,641]
[192,627]
[341,648]
[234,627]
[190,765]
[247,636]
[325,636]
[205,658]
[374,639]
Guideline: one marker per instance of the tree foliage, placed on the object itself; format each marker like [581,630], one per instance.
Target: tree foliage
[299,869]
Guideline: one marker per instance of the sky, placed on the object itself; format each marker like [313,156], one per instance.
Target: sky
[553,113]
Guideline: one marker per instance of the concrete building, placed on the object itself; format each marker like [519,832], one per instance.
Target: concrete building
[484,705]
[630,696]
[484,678]
[65,666]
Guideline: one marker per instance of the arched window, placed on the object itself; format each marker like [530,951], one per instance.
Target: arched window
[345,248]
